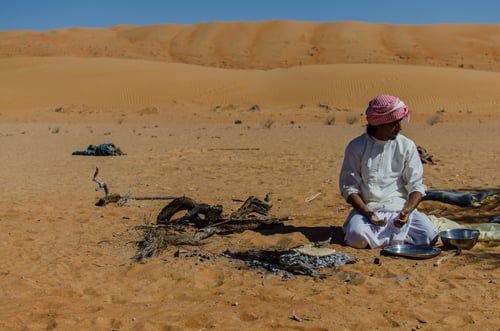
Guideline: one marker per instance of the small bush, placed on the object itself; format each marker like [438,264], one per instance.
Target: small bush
[351,119]
[268,124]
[434,119]
[330,120]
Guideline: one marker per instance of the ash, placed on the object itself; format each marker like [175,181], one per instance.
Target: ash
[290,263]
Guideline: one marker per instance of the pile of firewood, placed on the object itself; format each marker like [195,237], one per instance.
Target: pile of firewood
[200,221]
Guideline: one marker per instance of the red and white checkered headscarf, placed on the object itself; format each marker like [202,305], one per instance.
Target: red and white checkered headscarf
[385,109]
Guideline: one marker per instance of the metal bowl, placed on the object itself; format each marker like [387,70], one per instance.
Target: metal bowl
[459,238]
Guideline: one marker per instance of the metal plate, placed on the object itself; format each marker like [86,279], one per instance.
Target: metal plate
[412,251]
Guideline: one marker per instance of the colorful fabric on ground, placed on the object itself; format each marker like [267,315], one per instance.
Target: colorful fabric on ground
[107,149]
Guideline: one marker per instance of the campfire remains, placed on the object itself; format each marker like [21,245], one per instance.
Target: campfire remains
[197,221]
[184,221]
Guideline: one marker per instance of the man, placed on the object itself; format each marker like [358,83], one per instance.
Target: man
[381,177]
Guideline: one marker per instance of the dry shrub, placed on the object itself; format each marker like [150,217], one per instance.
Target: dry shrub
[351,119]
[434,119]
[330,120]
[268,124]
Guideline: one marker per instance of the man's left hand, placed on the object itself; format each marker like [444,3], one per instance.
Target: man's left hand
[402,218]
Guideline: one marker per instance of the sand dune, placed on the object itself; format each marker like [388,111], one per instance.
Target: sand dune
[220,64]
[218,112]
[271,44]
[118,85]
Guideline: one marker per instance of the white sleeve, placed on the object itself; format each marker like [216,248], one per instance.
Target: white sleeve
[350,173]
[414,172]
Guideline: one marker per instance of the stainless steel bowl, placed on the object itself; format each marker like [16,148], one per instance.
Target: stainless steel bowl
[459,238]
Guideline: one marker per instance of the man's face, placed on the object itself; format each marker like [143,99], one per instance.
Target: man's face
[389,131]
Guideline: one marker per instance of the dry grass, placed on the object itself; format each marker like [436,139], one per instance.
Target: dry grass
[330,120]
[434,119]
[268,124]
[351,119]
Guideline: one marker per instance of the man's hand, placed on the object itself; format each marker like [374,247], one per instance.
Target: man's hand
[375,220]
[412,203]
[402,218]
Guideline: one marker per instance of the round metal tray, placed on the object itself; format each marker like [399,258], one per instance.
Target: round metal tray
[412,251]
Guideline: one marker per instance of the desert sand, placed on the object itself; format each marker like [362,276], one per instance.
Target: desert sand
[219,112]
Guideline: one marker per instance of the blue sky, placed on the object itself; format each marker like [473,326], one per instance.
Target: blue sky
[55,14]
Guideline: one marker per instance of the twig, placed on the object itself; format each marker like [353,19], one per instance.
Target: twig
[263,220]
[160,197]
[117,197]
[324,242]
[312,197]
[447,256]
[298,319]
[101,184]
[234,149]
[295,317]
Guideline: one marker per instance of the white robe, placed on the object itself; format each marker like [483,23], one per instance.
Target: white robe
[384,173]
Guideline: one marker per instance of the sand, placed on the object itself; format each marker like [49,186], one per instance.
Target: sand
[203,116]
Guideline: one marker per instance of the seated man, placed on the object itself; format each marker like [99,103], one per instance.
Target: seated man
[381,177]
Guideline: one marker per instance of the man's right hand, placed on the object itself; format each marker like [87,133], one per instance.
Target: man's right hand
[359,205]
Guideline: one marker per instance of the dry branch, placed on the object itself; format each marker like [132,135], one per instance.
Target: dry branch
[158,238]
[200,221]
[121,199]
[101,184]
[234,149]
